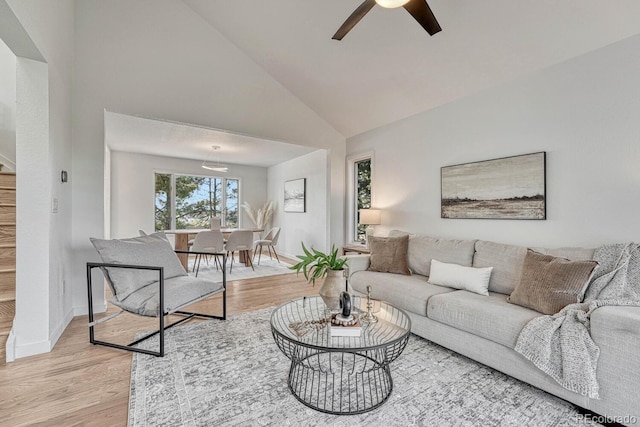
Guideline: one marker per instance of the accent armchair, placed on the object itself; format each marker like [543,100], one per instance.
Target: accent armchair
[147,279]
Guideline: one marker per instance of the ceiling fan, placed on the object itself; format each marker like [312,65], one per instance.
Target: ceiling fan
[419,9]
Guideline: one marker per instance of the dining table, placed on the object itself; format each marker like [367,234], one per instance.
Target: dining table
[182,237]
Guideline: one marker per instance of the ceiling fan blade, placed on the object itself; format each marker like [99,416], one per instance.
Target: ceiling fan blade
[353,19]
[422,13]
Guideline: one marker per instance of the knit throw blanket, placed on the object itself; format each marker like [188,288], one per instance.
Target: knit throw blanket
[560,345]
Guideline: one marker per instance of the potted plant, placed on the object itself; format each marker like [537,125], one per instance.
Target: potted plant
[315,265]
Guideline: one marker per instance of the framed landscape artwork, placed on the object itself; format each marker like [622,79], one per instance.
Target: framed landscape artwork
[295,195]
[506,188]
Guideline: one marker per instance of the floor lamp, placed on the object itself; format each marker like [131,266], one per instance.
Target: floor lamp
[369,217]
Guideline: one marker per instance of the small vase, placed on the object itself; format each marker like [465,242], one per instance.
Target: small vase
[333,285]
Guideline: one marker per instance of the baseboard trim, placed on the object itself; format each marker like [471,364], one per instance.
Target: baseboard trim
[32,349]
[84,310]
[10,347]
[53,339]
[18,351]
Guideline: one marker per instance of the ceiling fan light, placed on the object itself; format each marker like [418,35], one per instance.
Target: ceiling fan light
[390,4]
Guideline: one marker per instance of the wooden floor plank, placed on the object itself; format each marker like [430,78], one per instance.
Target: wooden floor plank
[78,384]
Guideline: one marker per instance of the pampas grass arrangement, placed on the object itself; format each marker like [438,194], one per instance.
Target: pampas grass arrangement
[262,217]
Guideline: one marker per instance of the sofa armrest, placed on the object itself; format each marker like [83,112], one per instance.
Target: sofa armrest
[609,320]
[357,263]
[616,331]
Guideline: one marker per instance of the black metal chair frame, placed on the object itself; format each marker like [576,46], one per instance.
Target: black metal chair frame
[161,327]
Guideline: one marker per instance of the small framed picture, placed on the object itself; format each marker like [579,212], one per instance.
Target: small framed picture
[295,195]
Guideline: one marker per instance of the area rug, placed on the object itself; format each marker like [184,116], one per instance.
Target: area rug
[267,267]
[230,373]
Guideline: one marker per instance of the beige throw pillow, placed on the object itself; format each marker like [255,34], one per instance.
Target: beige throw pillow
[389,254]
[547,283]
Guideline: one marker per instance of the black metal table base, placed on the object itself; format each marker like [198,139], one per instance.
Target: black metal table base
[342,383]
[341,375]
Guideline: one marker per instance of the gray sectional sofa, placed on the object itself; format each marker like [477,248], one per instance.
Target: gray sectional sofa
[485,328]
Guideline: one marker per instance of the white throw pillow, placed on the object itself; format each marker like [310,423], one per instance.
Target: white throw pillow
[459,277]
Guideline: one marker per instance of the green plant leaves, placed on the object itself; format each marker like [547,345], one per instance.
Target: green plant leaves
[314,264]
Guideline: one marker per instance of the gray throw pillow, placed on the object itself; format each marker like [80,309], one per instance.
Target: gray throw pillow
[389,254]
[548,284]
[151,250]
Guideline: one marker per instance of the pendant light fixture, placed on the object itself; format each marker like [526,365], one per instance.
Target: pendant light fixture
[214,165]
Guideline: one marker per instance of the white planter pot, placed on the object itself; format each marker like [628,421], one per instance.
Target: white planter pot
[333,285]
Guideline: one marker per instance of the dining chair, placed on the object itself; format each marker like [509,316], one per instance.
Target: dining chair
[206,242]
[241,241]
[270,241]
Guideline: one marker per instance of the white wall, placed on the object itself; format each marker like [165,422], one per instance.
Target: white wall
[127,61]
[310,227]
[7,107]
[583,113]
[43,41]
[133,188]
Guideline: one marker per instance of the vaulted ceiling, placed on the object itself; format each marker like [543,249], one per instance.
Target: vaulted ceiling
[269,70]
[388,68]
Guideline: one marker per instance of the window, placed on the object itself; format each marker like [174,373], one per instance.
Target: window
[163,202]
[187,201]
[359,194]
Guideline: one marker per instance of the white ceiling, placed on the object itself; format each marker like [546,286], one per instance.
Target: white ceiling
[163,138]
[387,68]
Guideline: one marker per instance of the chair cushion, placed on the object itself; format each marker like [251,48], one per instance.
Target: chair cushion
[422,249]
[490,317]
[406,292]
[549,283]
[151,250]
[179,291]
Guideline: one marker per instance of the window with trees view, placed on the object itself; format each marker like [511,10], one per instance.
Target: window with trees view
[362,178]
[187,201]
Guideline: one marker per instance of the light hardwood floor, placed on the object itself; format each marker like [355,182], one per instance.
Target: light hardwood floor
[78,384]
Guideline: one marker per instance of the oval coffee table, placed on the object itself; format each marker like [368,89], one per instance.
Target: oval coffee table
[339,375]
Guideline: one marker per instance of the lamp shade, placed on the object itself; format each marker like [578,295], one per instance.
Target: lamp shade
[370,216]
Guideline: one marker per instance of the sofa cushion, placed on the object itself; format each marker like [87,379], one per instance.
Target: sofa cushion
[549,283]
[151,250]
[422,249]
[574,254]
[506,261]
[409,293]
[178,292]
[460,277]
[490,317]
[389,254]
